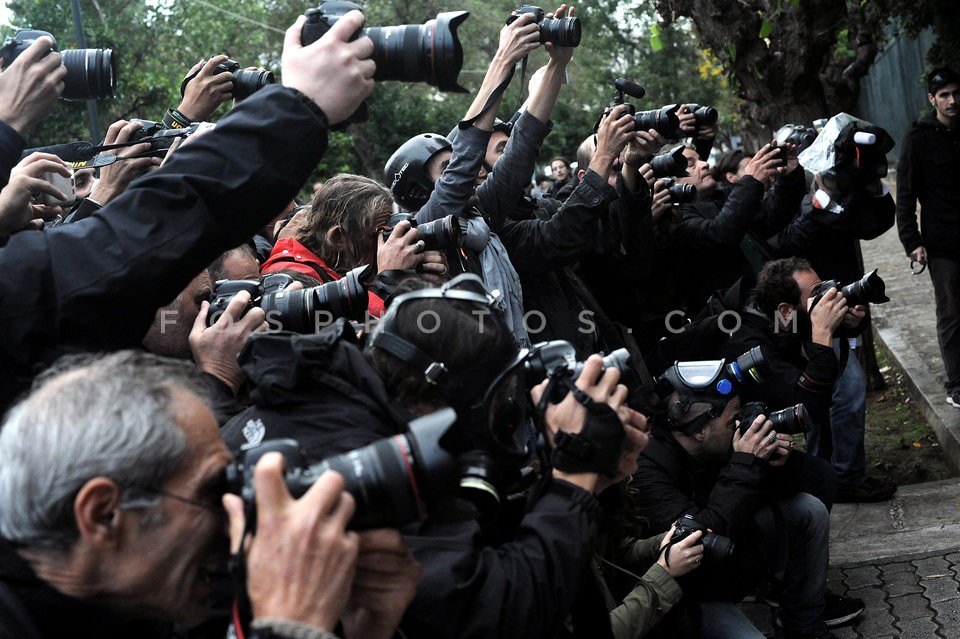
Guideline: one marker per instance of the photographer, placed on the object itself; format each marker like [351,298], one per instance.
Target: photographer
[29,88]
[72,284]
[497,567]
[710,231]
[849,204]
[343,229]
[114,512]
[742,481]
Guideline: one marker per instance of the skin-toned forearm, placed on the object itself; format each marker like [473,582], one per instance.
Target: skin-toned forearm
[544,98]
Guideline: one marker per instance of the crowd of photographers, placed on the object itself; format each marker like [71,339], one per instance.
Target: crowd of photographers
[561,408]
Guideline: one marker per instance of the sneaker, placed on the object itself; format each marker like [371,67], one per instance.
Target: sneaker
[839,610]
[954,399]
[869,490]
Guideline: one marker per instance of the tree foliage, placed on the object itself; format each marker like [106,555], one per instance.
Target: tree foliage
[795,60]
[156,43]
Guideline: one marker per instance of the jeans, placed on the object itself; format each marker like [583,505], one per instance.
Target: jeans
[796,531]
[945,275]
[723,620]
[841,441]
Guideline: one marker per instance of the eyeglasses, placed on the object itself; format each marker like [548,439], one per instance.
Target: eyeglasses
[208,506]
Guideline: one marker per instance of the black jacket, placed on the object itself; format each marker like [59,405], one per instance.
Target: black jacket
[929,172]
[96,285]
[709,235]
[829,240]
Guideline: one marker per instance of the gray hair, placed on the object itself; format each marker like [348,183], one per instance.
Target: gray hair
[90,416]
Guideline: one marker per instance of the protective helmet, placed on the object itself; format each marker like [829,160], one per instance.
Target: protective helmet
[406,170]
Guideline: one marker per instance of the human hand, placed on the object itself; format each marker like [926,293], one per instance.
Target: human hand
[284,229]
[641,147]
[517,40]
[207,90]
[560,56]
[688,121]
[827,315]
[385,583]
[301,561]
[759,440]
[683,556]
[615,130]
[708,132]
[854,315]
[30,85]
[781,453]
[116,177]
[215,348]
[789,159]
[635,439]
[403,249]
[661,202]
[919,255]
[17,210]
[335,72]
[765,164]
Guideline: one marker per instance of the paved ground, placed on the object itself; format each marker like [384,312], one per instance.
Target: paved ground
[901,557]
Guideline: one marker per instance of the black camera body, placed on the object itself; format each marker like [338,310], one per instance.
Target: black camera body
[703,116]
[792,420]
[91,73]
[802,136]
[298,311]
[438,235]
[716,548]
[563,32]
[868,289]
[159,136]
[679,193]
[429,53]
[559,357]
[246,82]
[394,481]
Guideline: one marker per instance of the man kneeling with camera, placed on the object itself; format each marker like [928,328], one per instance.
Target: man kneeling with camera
[737,476]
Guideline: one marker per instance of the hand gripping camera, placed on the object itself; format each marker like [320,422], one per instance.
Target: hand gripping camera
[91,73]
[792,420]
[438,235]
[395,481]
[869,288]
[563,32]
[246,82]
[716,548]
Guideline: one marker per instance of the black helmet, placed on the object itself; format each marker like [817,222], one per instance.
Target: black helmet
[406,170]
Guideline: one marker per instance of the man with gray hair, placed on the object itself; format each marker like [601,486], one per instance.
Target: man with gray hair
[114,513]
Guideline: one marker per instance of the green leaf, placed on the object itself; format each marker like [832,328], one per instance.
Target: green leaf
[656,43]
[766,27]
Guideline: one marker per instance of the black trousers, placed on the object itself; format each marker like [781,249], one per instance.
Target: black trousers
[945,275]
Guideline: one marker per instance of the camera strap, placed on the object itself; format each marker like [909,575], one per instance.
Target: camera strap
[494,96]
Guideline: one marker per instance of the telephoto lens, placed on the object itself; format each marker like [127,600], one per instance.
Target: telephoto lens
[395,481]
[670,164]
[679,193]
[792,420]
[91,73]
[664,121]
[717,549]
[429,52]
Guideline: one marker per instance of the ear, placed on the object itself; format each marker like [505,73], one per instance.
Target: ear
[785,312]
[335,237]
[96,508]
[731,177]
[580,174]
[931,99]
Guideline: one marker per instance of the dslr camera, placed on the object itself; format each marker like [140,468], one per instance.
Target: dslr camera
[716,548]
[703,116]
[792,420]
[428,53]
[91,73]
[868,289]
[438,235]
[802,136]
[394,481]
[246,82]
[679,193]
[298,311]
[563,32]
[559,358]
